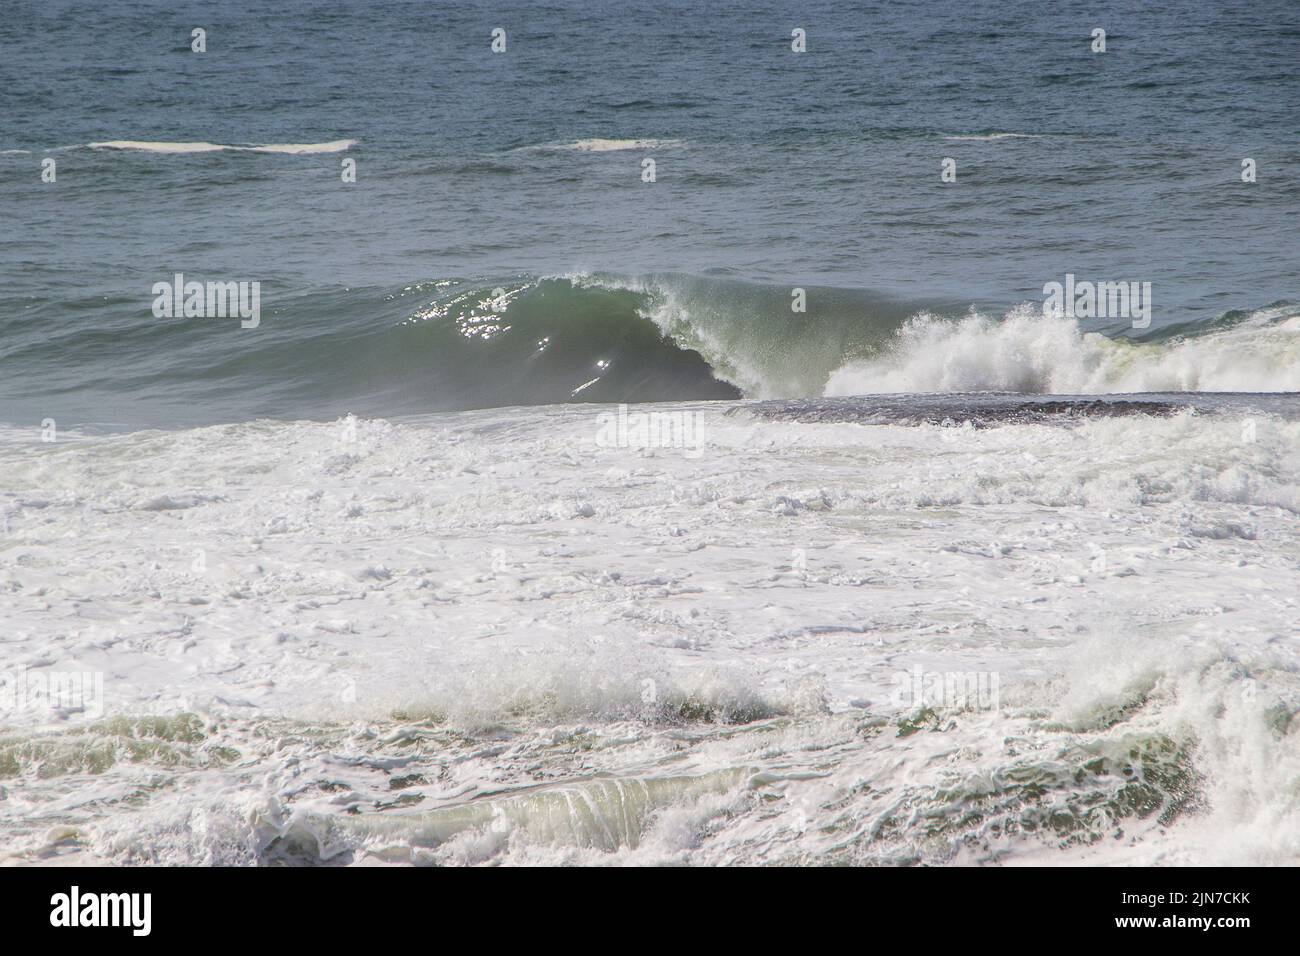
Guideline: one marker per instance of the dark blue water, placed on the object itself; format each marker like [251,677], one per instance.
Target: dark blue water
[774,170]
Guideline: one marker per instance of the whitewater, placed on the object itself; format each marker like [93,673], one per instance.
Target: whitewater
[489,637]
[655,443]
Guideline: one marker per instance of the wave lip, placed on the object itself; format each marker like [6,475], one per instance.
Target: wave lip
[297,149]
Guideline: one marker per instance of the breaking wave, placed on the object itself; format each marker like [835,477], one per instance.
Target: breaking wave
[673,337]
[1027,352]
[455,344]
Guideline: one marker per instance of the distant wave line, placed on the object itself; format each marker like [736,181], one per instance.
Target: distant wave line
[611,145]
[301,149]
[987,137]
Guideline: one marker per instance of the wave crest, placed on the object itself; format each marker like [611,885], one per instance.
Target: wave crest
[615,145]
[298,149]
[1028,352]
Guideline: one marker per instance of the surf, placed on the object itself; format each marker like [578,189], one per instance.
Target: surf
[454,344]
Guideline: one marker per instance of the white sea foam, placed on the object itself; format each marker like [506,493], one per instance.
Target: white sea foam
[990,137]
[614,145]
[1028,352]
[335,146]
[484,637]
[156,147]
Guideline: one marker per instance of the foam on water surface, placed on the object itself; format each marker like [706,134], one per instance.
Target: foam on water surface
[488,637]
[335,146]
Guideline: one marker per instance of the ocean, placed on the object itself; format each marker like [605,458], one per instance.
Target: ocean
[644,442]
